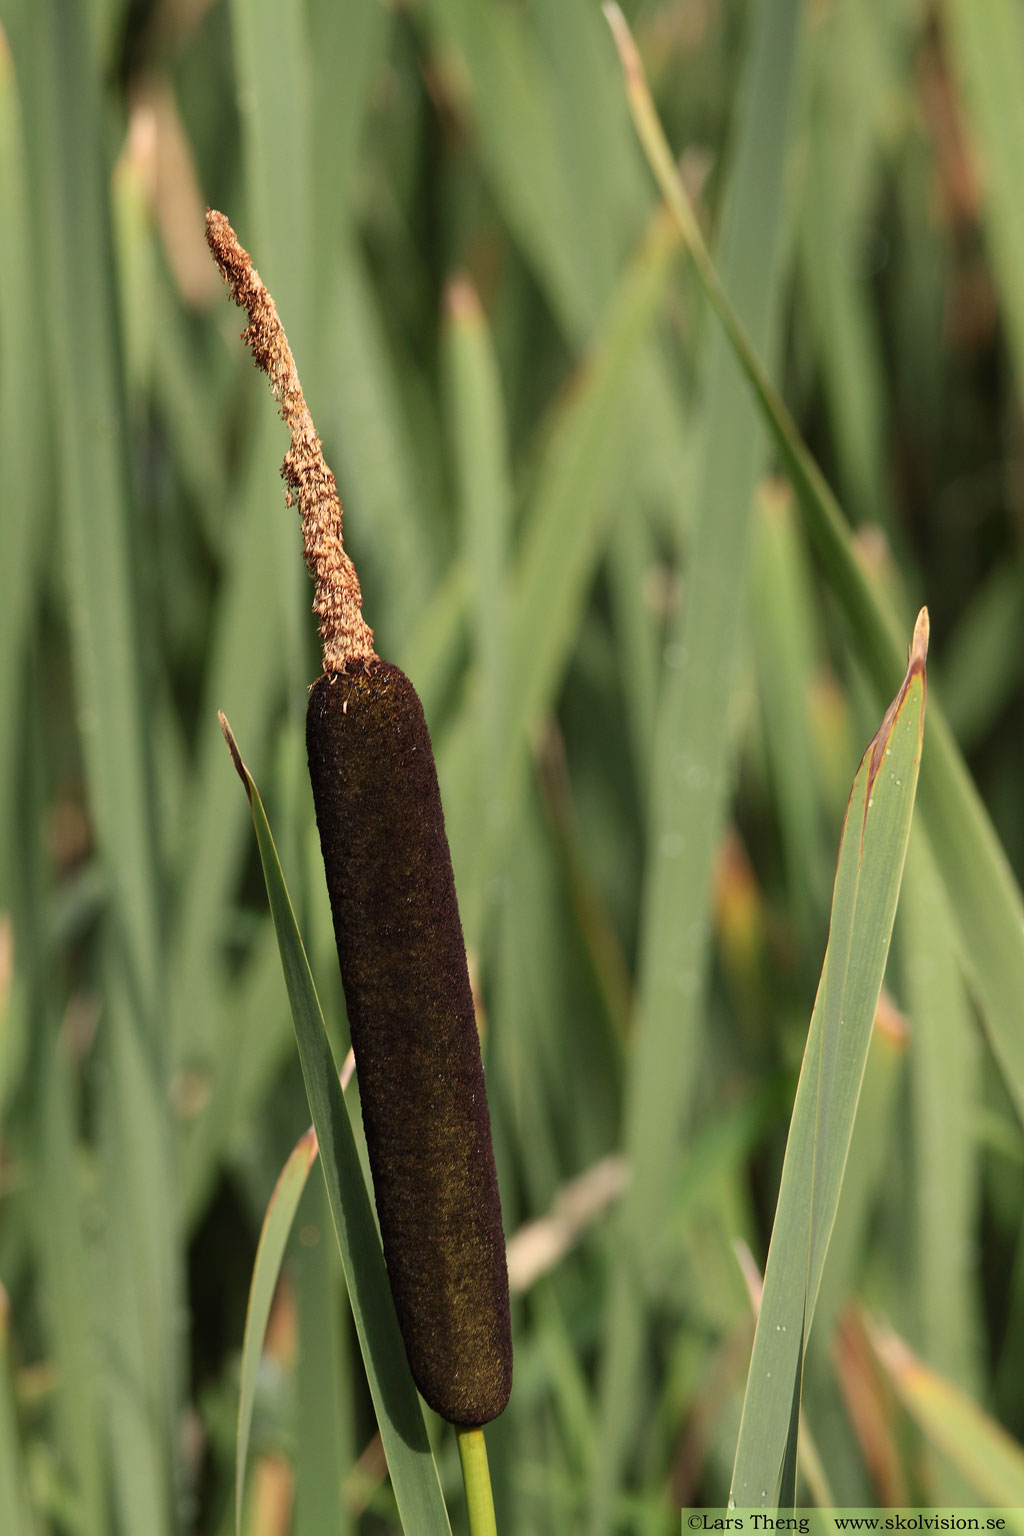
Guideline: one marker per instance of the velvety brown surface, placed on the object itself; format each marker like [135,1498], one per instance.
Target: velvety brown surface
[403,967]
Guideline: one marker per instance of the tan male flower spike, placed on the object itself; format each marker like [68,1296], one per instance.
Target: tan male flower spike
[337,600]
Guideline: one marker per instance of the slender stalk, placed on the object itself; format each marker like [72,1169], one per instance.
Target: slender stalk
[477,1480]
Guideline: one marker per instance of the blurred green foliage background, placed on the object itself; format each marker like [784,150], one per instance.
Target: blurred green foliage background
[646,703]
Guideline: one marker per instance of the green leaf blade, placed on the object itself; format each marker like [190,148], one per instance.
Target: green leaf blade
[871,854]
[975,1443]
[277,1224]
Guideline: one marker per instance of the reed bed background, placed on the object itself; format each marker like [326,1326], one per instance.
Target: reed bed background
[648,690]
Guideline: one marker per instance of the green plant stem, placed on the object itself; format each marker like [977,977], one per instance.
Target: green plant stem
[477,1480]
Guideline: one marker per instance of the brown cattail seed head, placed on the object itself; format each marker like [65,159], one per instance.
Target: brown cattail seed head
[410,1008]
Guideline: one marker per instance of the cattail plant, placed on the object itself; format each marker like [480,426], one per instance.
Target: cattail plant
[399,938]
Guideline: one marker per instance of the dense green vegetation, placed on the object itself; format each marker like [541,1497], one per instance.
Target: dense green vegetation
[649,670]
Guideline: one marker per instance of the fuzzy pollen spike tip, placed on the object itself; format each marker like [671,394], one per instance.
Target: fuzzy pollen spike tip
[337,599]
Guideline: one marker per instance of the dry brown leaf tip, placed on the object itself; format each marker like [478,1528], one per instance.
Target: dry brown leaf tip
[337,599]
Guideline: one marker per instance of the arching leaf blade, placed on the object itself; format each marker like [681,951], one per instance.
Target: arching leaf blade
[870,866]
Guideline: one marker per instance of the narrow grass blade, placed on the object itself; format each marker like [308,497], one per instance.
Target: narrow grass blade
[850,89]
[325,1374]
[349,47]
[784,658]
[520,147]
[695,727]
[433,649]
[190,400]
[787,1478]
[632,555]
[565,525]
[245,665]
[871,854]
[945,1103]
[141,1272]
[21,442]
[64,138]
[981,661]
[64,1257]
[983,891]
[873,1416]
[277,1224]
[875,1139]
[975,1444]
[867,1189]
[605,195]
[987,41]
[15,1507]
[254,1038]
[586,456]
[110,641]
[694,730]
[479,438]
[413,1472]
[274,70]
[379,476]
